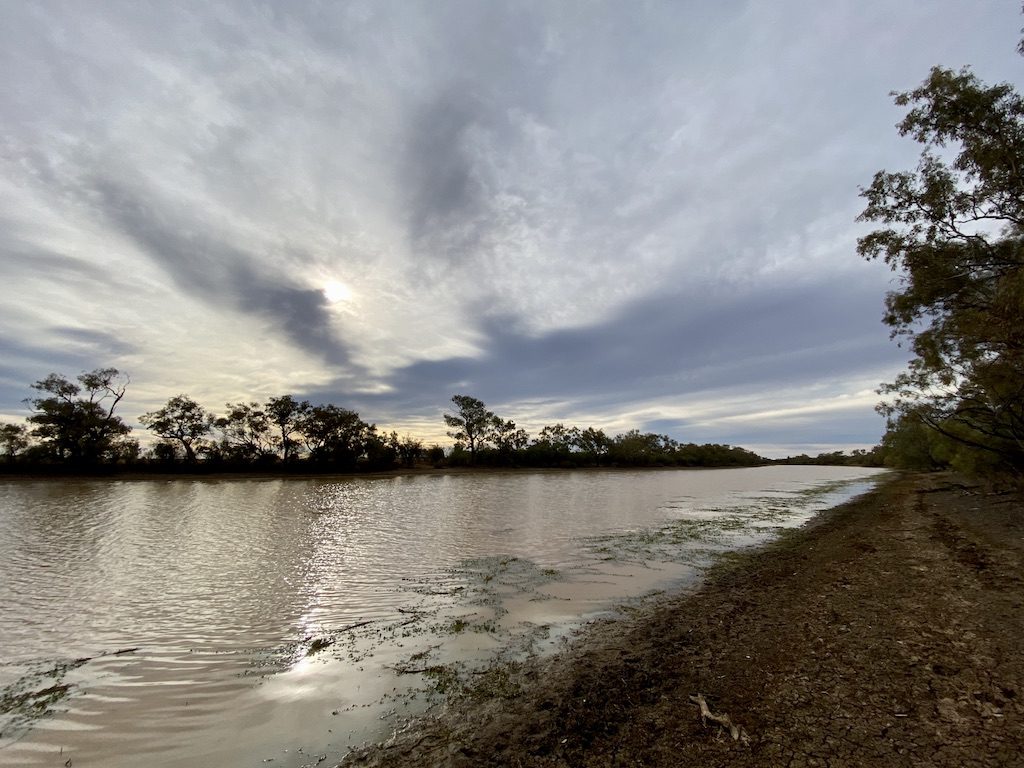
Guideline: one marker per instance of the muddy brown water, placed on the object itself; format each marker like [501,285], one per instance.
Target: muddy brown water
[280,622]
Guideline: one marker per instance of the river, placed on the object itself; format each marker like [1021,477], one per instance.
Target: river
[249,622]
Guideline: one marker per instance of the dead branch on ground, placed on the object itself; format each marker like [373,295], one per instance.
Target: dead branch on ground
[722,720]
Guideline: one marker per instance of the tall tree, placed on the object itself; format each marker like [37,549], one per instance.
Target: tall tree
[246,430]
[286,413]
[507,438]
[335,435]
[954,230]
[593,442]
[75,421]
[470,423]
[560,438]
[182,420]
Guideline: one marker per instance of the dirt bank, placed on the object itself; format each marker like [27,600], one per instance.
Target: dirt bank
[889,633]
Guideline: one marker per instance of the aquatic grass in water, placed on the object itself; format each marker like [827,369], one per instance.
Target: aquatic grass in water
[701,532]
[32,696]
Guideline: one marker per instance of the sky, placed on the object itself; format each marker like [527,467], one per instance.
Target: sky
[611,214]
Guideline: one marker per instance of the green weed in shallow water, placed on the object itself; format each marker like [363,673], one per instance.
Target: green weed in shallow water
[33,696]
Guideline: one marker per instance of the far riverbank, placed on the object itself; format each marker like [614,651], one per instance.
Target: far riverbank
[888,632]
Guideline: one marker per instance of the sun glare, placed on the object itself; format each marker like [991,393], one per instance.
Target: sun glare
[335,292]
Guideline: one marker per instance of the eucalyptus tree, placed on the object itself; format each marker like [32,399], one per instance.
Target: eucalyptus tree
[408,449]
[561,438]
[470,423]
[286,413]
[182,420]
[13,440]
[246,431]
[953,228]
[554,445]
[506,436]
[335,435]
[642,448]
[593,442]
[75,421]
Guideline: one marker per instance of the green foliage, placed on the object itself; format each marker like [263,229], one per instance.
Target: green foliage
[74,423]
[910,444]
[165,452]
[876,457]
[593,444]
[507,438]
[407,449]
[558,445]
[954,230]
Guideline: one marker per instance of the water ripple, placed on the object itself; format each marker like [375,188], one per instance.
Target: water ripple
[170,608]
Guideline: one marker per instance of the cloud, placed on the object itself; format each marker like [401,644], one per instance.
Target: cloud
[201,262]
[592,211]
[710,363]
[679,341]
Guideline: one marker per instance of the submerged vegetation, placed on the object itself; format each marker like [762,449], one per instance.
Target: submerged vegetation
[34,695]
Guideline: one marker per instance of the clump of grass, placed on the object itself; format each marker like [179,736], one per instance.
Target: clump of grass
[444,680]
[496,682]
[319,644]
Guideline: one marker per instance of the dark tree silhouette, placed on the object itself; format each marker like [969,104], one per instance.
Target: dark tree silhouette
[182,420]
[470,423]
[75,422]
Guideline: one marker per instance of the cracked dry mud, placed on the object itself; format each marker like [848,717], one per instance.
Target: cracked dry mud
[890,632]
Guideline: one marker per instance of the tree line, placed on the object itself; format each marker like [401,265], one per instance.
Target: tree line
[75,423]
[483,438]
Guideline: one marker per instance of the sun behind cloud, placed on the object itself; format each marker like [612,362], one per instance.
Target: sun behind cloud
[335,292]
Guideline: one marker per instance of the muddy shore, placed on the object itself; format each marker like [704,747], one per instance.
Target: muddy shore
[889,632]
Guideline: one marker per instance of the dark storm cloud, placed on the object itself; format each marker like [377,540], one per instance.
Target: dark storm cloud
[201,263]
[664,346]
[672,343]
[488,61]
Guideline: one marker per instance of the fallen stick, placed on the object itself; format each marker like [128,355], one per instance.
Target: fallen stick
[350,627]
[737,733]
[403,670]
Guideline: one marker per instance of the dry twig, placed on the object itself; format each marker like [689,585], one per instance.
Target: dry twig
[737,733]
